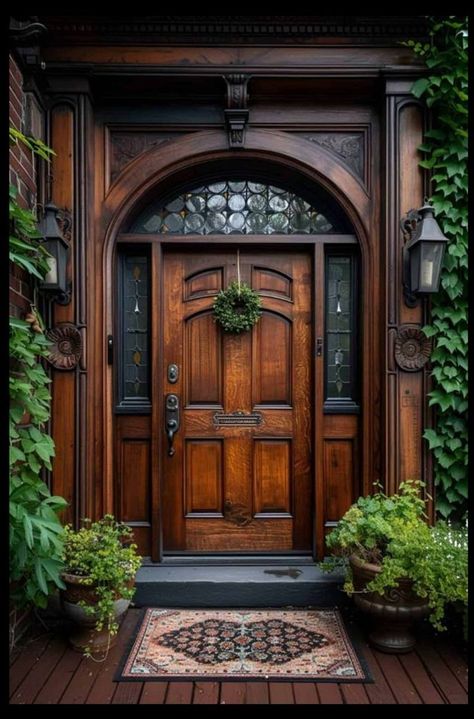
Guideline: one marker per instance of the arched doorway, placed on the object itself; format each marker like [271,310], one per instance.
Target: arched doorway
[238,474]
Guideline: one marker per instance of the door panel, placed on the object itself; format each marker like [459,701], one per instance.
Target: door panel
[233,487]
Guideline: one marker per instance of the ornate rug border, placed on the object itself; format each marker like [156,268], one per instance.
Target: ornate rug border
[351,630]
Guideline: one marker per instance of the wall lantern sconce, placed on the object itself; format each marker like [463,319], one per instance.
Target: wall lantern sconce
[56,280]
[422,255]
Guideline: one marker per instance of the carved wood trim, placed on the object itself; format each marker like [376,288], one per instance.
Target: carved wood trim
[349,146]
[67,346]
[236,113]
[412,348]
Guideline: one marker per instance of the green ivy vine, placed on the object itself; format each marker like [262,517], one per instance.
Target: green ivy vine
[445,149]
[36,534]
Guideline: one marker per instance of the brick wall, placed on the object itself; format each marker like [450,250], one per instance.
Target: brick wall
[22,175]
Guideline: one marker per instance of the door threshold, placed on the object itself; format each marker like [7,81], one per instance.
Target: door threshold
[206,560]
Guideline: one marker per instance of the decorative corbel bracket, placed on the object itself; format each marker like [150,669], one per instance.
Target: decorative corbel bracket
[237,112]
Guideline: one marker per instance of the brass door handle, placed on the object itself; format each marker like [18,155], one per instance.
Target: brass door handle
[171,420]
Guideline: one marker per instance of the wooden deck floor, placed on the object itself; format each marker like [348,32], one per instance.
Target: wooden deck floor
[47,671]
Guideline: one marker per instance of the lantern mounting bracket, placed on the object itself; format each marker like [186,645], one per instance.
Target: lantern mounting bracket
[408,227]
[64,298]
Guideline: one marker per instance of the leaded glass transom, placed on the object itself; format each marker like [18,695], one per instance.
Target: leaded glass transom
[234,207]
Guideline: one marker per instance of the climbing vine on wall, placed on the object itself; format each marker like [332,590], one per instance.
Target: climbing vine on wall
[35,530]
[445,157]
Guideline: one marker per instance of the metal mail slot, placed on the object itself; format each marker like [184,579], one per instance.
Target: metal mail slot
[238,419]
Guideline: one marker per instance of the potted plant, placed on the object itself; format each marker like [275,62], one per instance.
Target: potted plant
[99,573]
[399,569]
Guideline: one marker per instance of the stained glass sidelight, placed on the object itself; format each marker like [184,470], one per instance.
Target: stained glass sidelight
[339,327]
[234,207]
[134,361]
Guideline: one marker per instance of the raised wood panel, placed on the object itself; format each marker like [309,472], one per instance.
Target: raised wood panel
[267,534]
[202,284]
[272,476]
[338,477]
[135,481]
[410,403]
[272,360]
[272,282]
[203,477]
[204,361]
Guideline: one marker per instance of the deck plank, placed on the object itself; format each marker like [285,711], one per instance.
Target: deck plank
[329,693]
[354,694]
[446,682]
[104,686]
[206,693]
[379,692]
[153,692]
[305,693]
[39,674]
[27,658]
[400,683]
[422,681]
[57,683]
[127,693]
[179,693]
[257,693]
[233,693]
[281,693]
[81,683]
[455,661]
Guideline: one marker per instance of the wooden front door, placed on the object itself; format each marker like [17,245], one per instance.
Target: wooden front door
[231,485]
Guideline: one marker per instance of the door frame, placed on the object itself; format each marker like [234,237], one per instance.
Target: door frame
[199,154]
[158,244]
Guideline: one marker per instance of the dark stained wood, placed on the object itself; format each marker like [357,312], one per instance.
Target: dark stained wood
[427,675]
[27,691]
[417,673]
[379,692]
[63,407]
[447,683]
[104,686]
[281,693]
[153,692]
[27,659]
[354,694]
[305,693]
[233,693]
[318,373]
[400,683]
[329,693]
[59,680]
[179,693]
[257,693]
[263,472]
[127,693]
[206,693]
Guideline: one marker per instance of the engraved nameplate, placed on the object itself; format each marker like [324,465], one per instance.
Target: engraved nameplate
[237,419]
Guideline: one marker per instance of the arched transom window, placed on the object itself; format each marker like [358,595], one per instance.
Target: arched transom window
[236,207]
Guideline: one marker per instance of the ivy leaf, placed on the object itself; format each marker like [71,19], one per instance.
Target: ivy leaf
[420,86]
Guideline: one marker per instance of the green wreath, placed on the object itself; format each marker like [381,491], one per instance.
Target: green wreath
[237,308]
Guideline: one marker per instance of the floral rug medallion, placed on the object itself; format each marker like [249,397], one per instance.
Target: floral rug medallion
[243,644]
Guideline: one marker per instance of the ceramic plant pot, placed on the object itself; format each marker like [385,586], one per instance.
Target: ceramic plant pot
[85,635]
[393,613]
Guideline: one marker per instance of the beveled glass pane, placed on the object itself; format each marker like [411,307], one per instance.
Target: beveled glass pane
[339,327]
[134,360]
[233,207]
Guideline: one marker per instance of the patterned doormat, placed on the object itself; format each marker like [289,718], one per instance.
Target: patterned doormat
[242,644]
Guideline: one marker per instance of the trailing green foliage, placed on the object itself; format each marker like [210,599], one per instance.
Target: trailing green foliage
[237,308]
[103,556]
[35,531]
[445,154]
[391,532]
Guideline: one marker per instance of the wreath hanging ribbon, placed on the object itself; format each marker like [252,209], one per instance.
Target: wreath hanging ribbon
[238,307]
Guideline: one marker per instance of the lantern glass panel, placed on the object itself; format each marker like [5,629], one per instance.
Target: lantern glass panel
[430,266]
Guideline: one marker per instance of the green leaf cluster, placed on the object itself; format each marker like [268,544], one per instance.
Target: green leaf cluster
[392,532]
[35,545]
[237,308]
[103,555]
[445,150]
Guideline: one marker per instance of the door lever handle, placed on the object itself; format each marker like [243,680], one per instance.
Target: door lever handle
[171,420]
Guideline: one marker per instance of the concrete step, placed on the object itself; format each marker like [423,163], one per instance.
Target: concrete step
[261,584]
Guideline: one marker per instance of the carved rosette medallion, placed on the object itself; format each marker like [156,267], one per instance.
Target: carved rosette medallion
[67,346]
[412,349]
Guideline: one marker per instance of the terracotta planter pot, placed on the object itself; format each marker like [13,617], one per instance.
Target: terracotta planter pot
[393,612]
[86,635]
